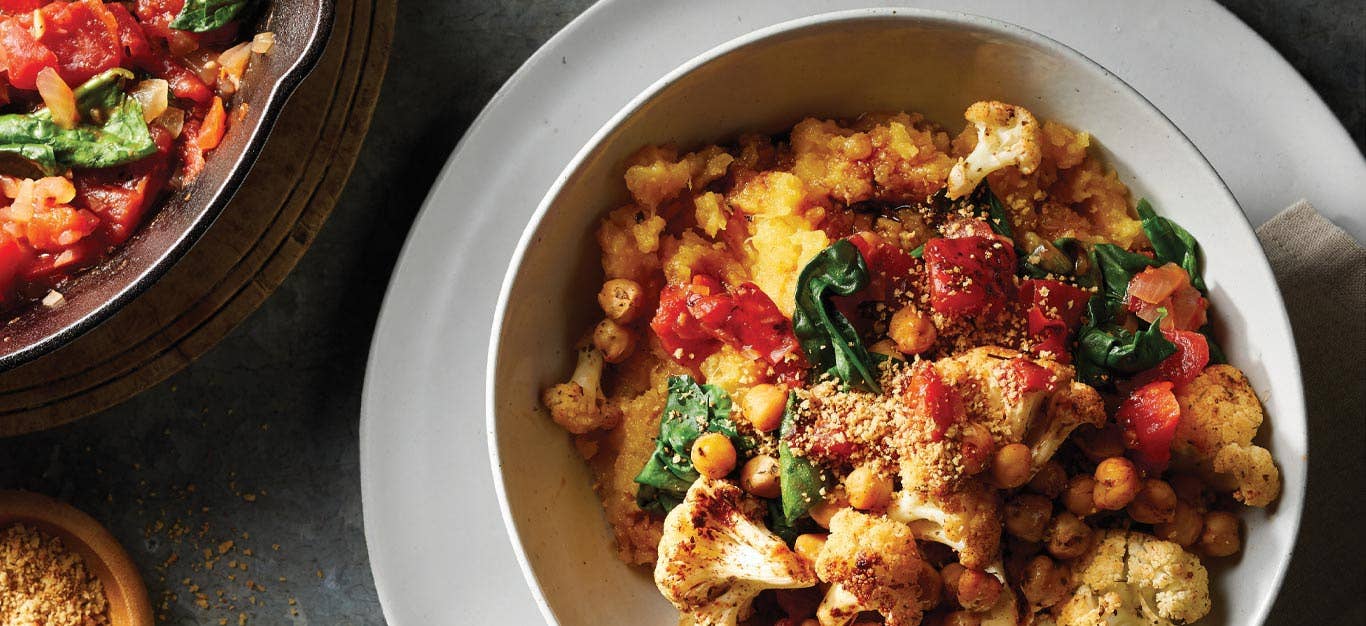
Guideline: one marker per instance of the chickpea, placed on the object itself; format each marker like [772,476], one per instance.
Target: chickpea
[962,618]
[809,546]
[928,581]
[1184,527]
[976,447]
[763,406]
[1116,483]
[867,489]
[1221,534]
[616,342]
[912,330]
[1010,466]
[821,512]
[713,455]
[1154,504]
[621,299]
[1068,536]
[1027,515]
[977,590]
[1100,443]
[1045,583]
[950,575]
[1050,480]
[1079,497]
[759,477]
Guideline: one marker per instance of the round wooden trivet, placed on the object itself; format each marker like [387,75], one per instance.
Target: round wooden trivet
[241,259]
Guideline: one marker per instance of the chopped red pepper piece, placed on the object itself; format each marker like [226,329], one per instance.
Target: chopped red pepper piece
[970,276]
[930,397]
[1149,417]
[1055,312]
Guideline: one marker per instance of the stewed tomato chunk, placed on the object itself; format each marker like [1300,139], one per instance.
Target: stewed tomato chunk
[970,276]
[930,397]
[1149,417]
[1190,358]
[1166,287]
[1055,311]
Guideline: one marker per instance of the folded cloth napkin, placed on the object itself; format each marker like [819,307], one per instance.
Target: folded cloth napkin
[1321,271]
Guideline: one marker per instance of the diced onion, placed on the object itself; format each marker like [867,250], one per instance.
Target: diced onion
[53,299]
[57,189]
[262,42]
[180,43]
[152,95]
[205,65]
[232,64]
[21,210]
[39,24]
[173,120]
[58,98]
[10,185]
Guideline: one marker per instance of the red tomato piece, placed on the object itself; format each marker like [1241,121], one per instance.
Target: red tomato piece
[1166,287]
[970,276]
[131,37]
[156,15]
[24,56]
[933,399]
[761,327]
[121,196]
[14,255]
[1190,358]
[84,37]
[19,7]
[1149,417]
[1030,376]
[1055,312]
[184,83]
[680,334]
[52,266]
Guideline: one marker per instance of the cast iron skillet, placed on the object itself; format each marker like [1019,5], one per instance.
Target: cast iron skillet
[301,30]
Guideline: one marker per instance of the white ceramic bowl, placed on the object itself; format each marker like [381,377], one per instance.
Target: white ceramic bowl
[842,64]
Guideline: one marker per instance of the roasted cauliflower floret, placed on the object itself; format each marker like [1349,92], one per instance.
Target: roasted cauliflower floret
[1128,577]
[716,556]
[1250,469]
[1006,135]
[578,405]
[967,519]
[872,564]
[1068,408]
[1220,414]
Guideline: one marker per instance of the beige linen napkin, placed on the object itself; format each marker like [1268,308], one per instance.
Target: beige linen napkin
[1322,274]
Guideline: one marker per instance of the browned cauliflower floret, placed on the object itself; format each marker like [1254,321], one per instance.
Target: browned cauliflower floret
[1068,407]
[967,519]
[1220,414]
[716,556]
[1006,135]
[872,564]
[578,405]
[1128,577]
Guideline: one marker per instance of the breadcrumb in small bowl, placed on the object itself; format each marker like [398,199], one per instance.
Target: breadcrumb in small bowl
[44,521]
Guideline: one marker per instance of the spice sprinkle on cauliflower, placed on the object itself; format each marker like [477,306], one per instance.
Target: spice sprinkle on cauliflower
[869,371]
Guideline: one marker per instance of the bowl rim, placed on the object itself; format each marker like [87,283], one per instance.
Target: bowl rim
[279,94]
[1292,509]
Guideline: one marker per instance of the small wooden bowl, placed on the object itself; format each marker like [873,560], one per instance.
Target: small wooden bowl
[80,533]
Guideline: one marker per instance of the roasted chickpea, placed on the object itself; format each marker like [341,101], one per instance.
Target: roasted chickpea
[1050,480]
[867,489]
[928,581]
[912,330]
[962,618]
[977,590]
[1184,527]
[713,455]
[1100,443]
[1154,504]
[809,545]
[1079,498]
[621,299]
[1221,535]
[950,575]
[976,447]
[759,477]
[1045,583]
[763,406]
[1027,515]
[822,511]
[616,342]
[1116,483]
[1010,466]
[1068,536]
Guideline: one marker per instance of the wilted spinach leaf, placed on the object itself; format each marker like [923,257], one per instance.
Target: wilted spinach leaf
[1105,349]
[800,479]
[830,341]
[1171,243]
[204,15]
[690,411]
[121,136]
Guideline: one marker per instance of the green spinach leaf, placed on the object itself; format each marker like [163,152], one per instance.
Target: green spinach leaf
[690,410]
[204,15]
[1117,268]
[1171,243]
[801,481]
[830,341]
[1105,349]
[996,213]
[121,136]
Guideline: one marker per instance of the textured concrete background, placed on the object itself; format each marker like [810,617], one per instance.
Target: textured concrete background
[256,444]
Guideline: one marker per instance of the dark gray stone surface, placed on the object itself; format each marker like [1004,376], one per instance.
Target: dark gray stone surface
[257,442]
